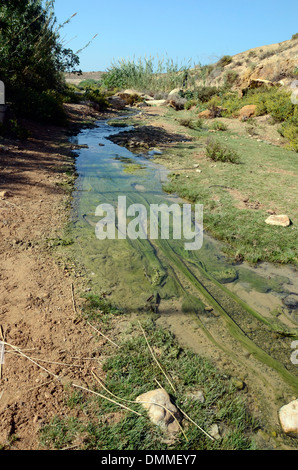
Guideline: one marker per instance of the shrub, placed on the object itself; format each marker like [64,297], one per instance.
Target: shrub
[219,152]
[205,93]
[279,105]
[90,83]
[295,36]
[219,126]
[225,60]
[46,106]
[197,124]
[33,59]
[97,97]
[289,130]
[176,102]
[230,78]
[190,103]
[267,54]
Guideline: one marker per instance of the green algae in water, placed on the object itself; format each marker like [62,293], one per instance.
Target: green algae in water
[133,168]
[134,270]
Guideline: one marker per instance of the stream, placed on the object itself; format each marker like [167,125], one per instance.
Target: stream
[234,311]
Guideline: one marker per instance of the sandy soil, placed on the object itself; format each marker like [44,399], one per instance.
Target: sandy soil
[37,311]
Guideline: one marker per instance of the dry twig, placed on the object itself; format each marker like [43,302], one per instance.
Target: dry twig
[154,357]
[108,339]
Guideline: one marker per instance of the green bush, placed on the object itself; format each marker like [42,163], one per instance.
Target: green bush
[279,105]
[97,97]
[219,152]
[289,130]
[230,78]
[33,59]
[192,124]
[46,106]
[218,126]
[295,36]
[90,83]
[225,60]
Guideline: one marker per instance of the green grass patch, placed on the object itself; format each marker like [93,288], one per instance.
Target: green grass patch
[130,373]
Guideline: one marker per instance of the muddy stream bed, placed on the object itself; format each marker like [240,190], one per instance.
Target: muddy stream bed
[242,317]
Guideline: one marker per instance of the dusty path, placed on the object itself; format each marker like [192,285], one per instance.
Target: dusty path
[36,303]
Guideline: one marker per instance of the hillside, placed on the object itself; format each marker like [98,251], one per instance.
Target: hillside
[275,63]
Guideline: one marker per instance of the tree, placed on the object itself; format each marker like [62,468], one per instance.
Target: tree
[33,59]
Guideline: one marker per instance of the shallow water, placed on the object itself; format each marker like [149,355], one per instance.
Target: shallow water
[147,275]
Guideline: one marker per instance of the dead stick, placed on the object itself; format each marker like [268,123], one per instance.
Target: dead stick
[153,355]
[103,335]
[106,398]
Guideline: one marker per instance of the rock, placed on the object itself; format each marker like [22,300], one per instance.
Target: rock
[176,91]
[214,432]
[238,383]
[288,417]
[197,396]
[247,111]
[143,104]
[207,114]
[156,102]
[291,301]
[116,103]
[281,220]
[4,194]
[216,111]
[157,402]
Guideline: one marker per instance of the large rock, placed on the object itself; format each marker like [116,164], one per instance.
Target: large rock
[247,111]
[156,102]
[207,114]
[158,402]
[176,91]
[116,102]
[281,220]
[288,417]
[216,111]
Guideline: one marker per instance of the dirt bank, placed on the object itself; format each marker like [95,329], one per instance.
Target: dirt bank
[37,312]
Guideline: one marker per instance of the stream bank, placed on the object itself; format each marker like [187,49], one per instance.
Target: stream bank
[198,302]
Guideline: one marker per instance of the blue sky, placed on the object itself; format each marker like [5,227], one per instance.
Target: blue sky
[202,31]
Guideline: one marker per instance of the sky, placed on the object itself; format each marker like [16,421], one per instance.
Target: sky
[184,30]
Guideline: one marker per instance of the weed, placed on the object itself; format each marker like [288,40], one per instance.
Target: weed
[289,130]
[225,60]
[192,124]
[97,97]
[219,152]
[218,126]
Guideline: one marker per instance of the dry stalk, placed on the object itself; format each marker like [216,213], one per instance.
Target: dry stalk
[154,357]
[106,398]
[73,385]
[108,339]
[13,205]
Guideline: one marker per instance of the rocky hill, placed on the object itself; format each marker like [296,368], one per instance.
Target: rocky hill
[275,63]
